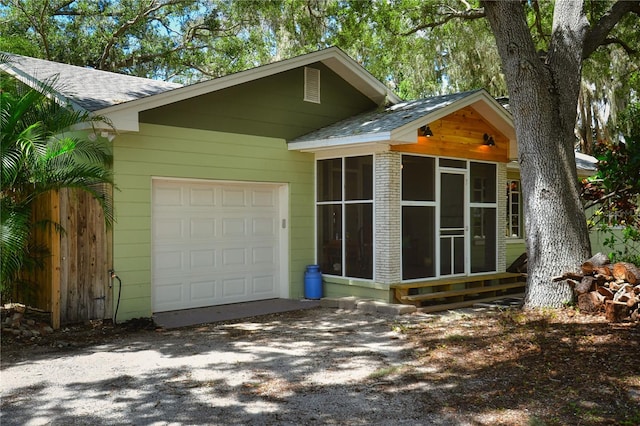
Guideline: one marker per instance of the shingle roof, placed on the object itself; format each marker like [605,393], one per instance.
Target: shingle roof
[386,120]
[88,88]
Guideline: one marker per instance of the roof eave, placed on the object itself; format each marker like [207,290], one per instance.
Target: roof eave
[319,144]
[38,84]
[408,130]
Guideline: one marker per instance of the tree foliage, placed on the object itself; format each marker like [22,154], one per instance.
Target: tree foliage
[614,191]
[418,47]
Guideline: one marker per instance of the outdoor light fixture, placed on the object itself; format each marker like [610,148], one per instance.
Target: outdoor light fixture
[488,140]
[425,131]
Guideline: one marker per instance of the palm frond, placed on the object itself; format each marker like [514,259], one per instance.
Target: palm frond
[42,152]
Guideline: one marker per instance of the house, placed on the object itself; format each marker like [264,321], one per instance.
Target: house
[228,189]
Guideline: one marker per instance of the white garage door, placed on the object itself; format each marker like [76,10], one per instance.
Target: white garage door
[214,243]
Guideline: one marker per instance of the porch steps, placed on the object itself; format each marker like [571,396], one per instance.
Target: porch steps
[463,304]
[458,292]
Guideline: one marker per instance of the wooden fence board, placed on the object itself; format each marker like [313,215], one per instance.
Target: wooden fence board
[73,284]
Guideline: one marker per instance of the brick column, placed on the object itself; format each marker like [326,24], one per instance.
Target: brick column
[501,261]
[387,217]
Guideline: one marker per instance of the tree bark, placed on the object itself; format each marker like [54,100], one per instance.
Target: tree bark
[543,98]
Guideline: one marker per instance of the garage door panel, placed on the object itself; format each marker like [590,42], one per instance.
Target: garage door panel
[202,260]
[263,226]
[234,227]
[263,256]
[234,287]
[168,229]
[214,243]
[170,262]
[234,257]
[202,291]
[168,195]
[264,284]
[234,197]
[202,228]
[263,199]
[202,197]
[168,293]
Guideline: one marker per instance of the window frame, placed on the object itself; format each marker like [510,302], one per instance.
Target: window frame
[509,213]
[343,202]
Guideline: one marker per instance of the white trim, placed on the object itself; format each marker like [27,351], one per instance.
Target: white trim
[337,142]
[466,221]
[283,198]
[350,151]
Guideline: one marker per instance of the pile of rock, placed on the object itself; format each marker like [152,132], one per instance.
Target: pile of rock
[22,322]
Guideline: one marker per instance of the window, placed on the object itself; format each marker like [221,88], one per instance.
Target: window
[514,228]
[418,217]
[345,216]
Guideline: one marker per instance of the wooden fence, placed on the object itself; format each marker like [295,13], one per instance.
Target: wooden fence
[74,283]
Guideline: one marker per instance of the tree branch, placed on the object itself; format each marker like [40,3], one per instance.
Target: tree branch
[538,20]
[599,31]
[468,14]
[621,43]
[150,8]
[141,59]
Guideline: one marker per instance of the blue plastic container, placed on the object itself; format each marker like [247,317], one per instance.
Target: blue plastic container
[313,282]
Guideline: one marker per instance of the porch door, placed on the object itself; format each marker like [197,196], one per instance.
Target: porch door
[453,223]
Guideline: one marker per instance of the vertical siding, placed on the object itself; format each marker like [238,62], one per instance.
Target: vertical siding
[73,283]
[163,151]
[36,286]
[86,259]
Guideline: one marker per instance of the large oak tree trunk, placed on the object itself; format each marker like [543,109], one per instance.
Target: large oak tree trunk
[543,95]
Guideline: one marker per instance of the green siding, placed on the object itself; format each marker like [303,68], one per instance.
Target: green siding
[598,238]
[172,152]
[515,248]
[343,287]
[272,106]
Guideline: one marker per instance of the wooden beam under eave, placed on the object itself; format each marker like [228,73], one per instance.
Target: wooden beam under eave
[461,135]
[445,147]
[55,260]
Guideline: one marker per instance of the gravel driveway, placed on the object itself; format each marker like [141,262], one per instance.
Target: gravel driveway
[318,366]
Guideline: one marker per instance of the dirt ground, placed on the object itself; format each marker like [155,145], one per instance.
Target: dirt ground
[326,366]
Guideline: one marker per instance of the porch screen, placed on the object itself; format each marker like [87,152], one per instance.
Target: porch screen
[418,217]
[345,216]
[483,207]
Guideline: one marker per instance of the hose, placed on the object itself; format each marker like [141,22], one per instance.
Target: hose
[113,275]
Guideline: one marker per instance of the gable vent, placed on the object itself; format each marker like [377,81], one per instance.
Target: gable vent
[312,85]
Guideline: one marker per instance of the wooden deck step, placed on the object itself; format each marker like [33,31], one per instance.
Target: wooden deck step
[463,292]
[463,304]
[459,280]
[457,289]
